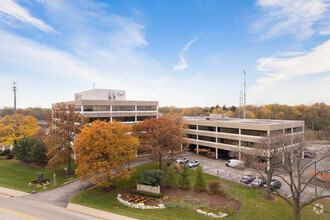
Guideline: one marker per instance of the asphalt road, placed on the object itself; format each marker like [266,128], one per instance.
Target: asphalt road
[18,208]
[61,195]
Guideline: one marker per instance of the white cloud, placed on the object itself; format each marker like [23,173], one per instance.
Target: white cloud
[183,63]
[278,70]
[296,17]
[10,12]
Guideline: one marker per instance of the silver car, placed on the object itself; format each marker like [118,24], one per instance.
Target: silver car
[193,163]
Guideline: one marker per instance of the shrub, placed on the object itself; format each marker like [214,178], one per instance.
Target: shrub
[150,177]
[170,180]
[169,163]
[30,150]
[216,187]
[199,184]
[177,166]
[184,180]
[230,210]
[148,194]
[5,152]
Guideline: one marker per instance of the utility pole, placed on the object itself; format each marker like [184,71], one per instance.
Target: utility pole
[240,104]
[244,94]
[15,90]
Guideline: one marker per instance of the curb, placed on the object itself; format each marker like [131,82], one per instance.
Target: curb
[69,181]
[12,192]
[96,212]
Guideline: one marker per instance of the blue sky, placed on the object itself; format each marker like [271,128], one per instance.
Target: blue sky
[182,53]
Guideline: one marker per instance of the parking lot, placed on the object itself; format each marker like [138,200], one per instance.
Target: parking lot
[218,168]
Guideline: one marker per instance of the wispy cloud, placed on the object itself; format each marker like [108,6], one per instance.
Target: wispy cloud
[282,69]
[183,63]
[296,17]
[11,12]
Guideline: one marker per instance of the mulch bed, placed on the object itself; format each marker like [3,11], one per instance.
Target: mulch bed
[108,189]
[68,173]
[272,198]
[195,198]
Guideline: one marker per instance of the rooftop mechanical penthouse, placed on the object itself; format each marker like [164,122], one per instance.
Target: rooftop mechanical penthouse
[109,105]
[222,134]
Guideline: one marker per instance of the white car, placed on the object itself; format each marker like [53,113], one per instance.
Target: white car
[182,160]
[193,163]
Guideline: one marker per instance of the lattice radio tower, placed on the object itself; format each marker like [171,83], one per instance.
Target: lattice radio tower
[15,90]
[240,104]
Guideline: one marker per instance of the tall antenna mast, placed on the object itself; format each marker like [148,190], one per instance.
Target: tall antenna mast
[240,104]
[15,90]
[244,94]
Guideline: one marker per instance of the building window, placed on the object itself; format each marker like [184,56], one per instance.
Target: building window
[206,138]
[193,127]
[96,108]
[254,132]
[191,136]
[77,108]
[247,144]
[227,141]
[288,130]
[125,108]
[107,119]
[297,129]
[142,118]
[206,128]
[147,108]
[276,133]
[123,119]
[229,130]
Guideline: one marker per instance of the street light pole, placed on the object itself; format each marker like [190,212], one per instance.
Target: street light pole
[315,179]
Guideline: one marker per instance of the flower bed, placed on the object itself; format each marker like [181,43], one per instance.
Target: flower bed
[40,183]
[140,199]
[139,205]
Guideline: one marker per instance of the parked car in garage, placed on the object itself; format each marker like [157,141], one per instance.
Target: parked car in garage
[247,179]
[193,163]
[274,184]
[258,182]
[182,160]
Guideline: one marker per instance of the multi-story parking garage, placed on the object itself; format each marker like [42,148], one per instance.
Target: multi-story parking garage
[109,105]
[223,135]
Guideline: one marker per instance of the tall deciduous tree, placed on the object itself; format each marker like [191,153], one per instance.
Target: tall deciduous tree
[16,127]
[102,151]
[161,135]
[65,124]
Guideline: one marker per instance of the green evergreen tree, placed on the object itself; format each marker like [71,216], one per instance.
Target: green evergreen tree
[170,180]
[199,184]
[184,180]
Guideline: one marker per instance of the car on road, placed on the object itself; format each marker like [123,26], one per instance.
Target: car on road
[193,163]
[309,154]
[235,163]
[274,185]
[258,182]
[182,160]
[247,179]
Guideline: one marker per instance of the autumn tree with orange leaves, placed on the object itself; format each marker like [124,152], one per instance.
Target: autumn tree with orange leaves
[161,136]
[65,125]
[102,151]
[16,127]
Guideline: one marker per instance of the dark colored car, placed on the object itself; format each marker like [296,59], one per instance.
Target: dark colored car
[247,179]
[309,154]
[274,184]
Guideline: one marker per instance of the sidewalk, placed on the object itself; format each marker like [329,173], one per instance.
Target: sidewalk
[96,213]
[12,192]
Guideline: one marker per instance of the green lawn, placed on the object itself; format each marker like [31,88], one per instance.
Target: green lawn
[16,175]
[253,207]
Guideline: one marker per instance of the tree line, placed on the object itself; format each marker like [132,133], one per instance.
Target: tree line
[316,116]
[38,113]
